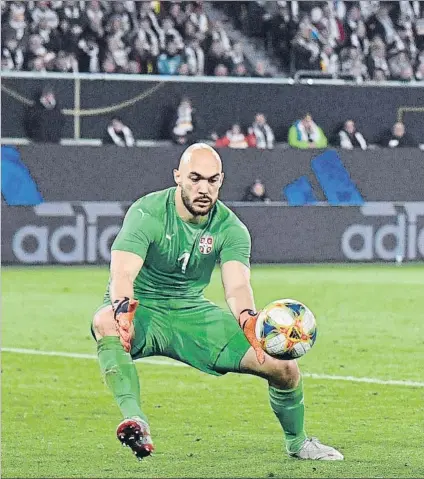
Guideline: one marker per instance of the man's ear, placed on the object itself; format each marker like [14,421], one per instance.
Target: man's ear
[177,176]
[222,178]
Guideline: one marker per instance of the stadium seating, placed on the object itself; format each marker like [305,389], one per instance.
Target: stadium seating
[361,40]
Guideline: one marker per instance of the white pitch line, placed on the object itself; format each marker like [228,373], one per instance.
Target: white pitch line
[389,382]
[166,362]
[63,354]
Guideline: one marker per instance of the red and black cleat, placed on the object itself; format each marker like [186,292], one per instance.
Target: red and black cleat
[135,434]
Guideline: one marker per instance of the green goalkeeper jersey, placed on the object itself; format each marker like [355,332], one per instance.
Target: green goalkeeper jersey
[179,256]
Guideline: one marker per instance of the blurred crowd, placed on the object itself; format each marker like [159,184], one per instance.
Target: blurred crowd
[364,40]
[172,38]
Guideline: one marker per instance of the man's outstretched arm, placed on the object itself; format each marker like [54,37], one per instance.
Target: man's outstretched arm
[124,268]
[239,296]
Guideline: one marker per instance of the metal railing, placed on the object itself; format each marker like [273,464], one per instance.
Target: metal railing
[204,79]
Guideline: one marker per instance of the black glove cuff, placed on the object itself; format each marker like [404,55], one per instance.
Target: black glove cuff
[250,312]
[120,306]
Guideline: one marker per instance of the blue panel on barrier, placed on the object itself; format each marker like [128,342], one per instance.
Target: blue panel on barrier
[17,185]
[299,192]
[335,180]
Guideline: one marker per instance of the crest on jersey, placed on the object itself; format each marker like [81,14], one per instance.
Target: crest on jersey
[206,244]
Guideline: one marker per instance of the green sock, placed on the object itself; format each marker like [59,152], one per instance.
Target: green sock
[120,375]
[290,411]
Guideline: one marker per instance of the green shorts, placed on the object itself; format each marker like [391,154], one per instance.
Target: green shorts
[198,333]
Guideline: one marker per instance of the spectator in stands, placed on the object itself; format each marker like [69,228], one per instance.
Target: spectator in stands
[235,138]
[263,133]
[407,42]
[256,192]
[380,23]
[398,137]
[305,133]
[42,11]
[197,16]
[169,34]
[401,68]
[184,123]
[184,69]
[377,59]
[419,67]
[333,21]
[142,55]
[44,120]
[17,21]
[117,49]
[119,134]
[240,70]
[36,50]
[419,30]
[94,18]
[149,37]
[12,54]
[70,36]
[379,75]
[352,64]
[126,17]
[359,40]
[217,56]
[195,58]
[221,70]
[88,55]
[282,30]
[306,50]
[329,60]
[260,70]
[50,37]
[70,11]
[237,55]
[169,62]
[350,138]
[219,34]
[189,31]
[65,62]
[179,17]
[352,21]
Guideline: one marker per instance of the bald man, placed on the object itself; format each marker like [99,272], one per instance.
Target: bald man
[161,261]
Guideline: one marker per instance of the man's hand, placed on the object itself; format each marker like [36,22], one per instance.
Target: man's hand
[124,312]
[247,321]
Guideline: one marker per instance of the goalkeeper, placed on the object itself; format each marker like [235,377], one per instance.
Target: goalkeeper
[161,261]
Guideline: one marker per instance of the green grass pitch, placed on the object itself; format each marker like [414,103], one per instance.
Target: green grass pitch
[59,419]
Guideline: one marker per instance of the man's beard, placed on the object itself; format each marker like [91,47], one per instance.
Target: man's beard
[196,210]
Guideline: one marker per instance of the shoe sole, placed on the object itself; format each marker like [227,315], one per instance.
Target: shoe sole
[130,435]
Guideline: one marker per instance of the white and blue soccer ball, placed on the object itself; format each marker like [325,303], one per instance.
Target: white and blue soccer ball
[286,329]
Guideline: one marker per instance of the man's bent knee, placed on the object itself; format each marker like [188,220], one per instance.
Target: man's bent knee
[104,323]
[280,374]
[285,375]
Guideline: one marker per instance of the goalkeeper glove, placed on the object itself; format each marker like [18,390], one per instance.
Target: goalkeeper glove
[247,321]
[124,312]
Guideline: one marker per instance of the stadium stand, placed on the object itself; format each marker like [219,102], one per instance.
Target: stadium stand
[366,40]
[363,40]
[114,37]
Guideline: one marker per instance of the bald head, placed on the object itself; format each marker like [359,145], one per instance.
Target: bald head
[200,155]
[199,178]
